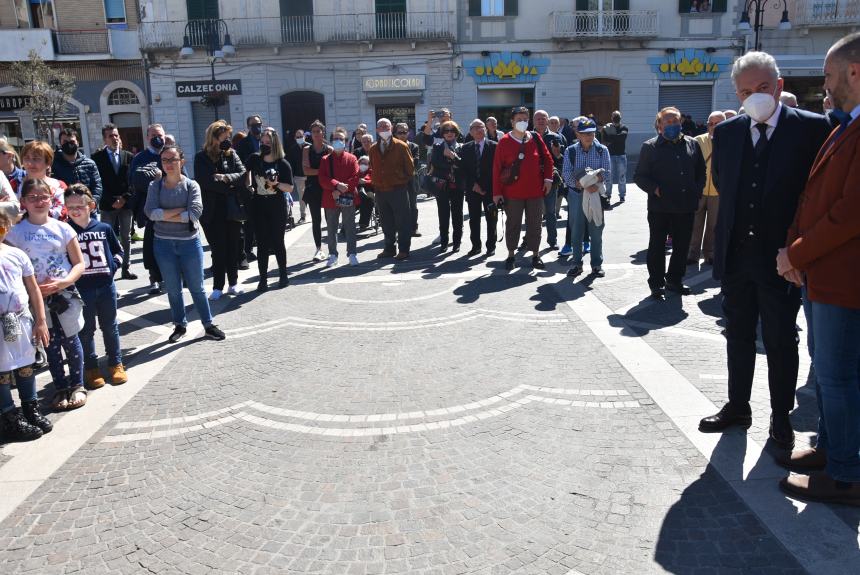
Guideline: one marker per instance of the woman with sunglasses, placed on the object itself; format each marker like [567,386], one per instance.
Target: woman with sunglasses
[311,157]
[449,187]
[174,205]
[271,177]
[219,171]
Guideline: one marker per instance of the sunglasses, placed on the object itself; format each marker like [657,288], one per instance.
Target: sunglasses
[73,192]
[401,133]
[449,131]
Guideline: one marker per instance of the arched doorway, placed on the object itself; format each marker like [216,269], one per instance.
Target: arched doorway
[122,103]
[600,97]
[299,109]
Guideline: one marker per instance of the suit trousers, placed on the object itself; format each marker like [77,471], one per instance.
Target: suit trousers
[477,207]
[449,204]
[704,227]
[752,291]
[660,225]
[120,221]
[533,209]
[396,220]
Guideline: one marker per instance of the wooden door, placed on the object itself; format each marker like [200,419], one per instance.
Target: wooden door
[600,97]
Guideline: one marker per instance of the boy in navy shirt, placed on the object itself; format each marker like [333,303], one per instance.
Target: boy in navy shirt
[102,257]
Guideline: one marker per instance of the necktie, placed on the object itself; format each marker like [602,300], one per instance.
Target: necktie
[115,161]
[762,138]
[478,153]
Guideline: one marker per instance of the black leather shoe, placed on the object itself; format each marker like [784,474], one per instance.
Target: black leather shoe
[455,248]
[781,432]
[127,275]
[491,253]
[537,263]
[679,288]
[473,251]
[385,254]
[509,263]
[657,293]
[443,246]
[727,417]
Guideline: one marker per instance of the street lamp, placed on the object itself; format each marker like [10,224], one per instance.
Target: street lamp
[759,5]
[215,37]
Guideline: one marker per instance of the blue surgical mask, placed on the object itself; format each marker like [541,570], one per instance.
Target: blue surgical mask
[672,132]
[338,145]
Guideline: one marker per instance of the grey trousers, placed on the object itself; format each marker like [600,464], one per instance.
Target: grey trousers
[394,210]
[332,215]
[704,228]
[122,219]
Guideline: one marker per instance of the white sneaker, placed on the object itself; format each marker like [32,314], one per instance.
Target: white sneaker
[331,262]
[215,295]
[318,257]
[353,261]
[235,290]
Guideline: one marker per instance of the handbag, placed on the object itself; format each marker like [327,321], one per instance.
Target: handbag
[511,174]
[235,210]
[345,199]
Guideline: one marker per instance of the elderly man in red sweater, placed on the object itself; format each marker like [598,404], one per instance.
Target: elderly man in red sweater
[522,176]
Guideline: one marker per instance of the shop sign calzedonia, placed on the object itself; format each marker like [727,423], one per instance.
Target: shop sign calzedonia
[386,83]
[198,88]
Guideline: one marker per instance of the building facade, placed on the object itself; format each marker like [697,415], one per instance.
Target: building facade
[96,42]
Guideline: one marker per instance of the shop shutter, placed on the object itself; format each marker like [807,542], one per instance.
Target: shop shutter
[474,8]
[201,117]
[511,7]
[696,100]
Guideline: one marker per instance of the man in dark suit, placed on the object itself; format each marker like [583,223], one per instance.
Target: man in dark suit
[249,145]
[760,162]
[477,166]
[116,201]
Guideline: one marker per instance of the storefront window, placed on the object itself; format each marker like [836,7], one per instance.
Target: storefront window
[397,114]
[10,130]
[60,124]
[809,92]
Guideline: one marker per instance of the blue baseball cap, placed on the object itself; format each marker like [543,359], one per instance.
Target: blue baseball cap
[586,126]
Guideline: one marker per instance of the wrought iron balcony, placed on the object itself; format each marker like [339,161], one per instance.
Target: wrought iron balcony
[80,42]
[603,24]
[317,29]
[823,13]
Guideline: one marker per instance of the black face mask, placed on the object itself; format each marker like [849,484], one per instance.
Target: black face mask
[256,129]
[69,148]
[265,150]
[225,145]
[157,142]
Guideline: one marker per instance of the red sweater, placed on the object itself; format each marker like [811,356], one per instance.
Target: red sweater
[530,183]
[345,170]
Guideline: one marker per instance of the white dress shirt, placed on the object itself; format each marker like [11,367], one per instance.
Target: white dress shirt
[771,125]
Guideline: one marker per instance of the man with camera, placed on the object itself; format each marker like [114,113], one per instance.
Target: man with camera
[431,130]
[477,168]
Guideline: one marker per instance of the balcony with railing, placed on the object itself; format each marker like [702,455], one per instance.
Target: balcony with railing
[81,42]
[584,24]
[823,13]
[316,29]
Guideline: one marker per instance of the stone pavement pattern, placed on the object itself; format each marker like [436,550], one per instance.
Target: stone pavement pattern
[438,416]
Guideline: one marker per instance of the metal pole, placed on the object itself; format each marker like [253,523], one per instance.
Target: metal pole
[215,95]
[759,9]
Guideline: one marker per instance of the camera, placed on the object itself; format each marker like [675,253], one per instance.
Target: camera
[438,114]
[272,175]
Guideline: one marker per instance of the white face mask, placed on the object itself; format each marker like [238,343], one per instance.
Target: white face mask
[300,141]
[362,167]
[521,126]
[760,106]
[385,135]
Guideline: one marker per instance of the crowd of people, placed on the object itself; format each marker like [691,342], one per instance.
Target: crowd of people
[769,197]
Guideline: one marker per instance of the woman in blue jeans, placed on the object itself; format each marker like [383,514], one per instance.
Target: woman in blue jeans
[174,204]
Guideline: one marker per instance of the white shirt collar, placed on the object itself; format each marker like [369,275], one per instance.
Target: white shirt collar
[771,122]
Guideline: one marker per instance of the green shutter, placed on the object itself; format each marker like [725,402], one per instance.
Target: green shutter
[620,5]
[202,9]
[581,5]
[511,8]
[474,7]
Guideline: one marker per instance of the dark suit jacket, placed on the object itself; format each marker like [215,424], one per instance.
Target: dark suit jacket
[469,169]
[114,184]
[794,144]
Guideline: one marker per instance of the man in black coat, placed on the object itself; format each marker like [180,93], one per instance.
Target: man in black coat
[477,167]
[671,170]
[116,203]
[760,163]
[249,145]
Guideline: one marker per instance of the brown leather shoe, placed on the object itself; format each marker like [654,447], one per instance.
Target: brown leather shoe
[93,378]
[402,256]
[811,459]
[118,375]
[821,487]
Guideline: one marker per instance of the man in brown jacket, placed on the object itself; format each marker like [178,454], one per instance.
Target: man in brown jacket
[824,246]
[392,166]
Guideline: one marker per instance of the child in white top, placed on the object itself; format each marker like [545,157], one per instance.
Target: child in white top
[57,262]
[20,303]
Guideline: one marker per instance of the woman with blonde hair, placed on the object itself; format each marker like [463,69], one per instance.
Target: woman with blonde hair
[220,173]
[270,176]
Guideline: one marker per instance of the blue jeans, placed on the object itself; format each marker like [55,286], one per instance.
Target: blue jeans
[101,303]
[179,259]
[810,346]
[619,174]
[25,380]
[549,218]
[578,224]
[837,373]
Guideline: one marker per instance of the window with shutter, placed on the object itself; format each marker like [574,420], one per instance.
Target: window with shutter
[115,11]
[474,8]
[202,9]
[511,7]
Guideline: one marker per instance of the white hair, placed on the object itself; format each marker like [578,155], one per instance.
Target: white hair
[716,114]
[477,122]
[382,121]
[543,112]
[755,60]
[788,99]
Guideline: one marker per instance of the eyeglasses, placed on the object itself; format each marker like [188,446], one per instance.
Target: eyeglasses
[37,199]
[449,131]
[75,208]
